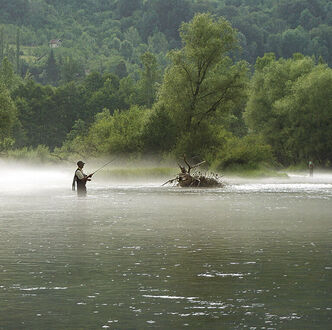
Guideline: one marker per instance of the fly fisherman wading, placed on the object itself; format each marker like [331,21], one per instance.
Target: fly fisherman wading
[80,178]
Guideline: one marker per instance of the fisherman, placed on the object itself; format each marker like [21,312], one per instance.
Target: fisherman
[80,178]
[311,168]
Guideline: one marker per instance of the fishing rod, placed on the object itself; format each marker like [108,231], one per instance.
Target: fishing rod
[102,166]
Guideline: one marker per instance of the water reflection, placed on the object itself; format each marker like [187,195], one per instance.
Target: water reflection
[255,254]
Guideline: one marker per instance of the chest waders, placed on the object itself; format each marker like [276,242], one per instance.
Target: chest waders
[81,185]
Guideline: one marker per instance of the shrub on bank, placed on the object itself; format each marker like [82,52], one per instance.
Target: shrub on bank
[39,154]
[241,154]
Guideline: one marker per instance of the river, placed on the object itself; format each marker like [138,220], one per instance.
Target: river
[256,254]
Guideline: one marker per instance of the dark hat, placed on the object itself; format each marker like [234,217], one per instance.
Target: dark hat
[80,163]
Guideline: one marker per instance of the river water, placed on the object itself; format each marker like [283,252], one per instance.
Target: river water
[256,254]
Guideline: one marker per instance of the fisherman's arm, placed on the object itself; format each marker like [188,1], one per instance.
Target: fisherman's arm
[83,177]
[87,177]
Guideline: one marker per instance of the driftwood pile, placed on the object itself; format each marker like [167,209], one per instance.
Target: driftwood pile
[196,178]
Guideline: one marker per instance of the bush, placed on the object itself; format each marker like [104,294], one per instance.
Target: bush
[249,152]
[39,154]
[159,132]
[117,133]
[6,143]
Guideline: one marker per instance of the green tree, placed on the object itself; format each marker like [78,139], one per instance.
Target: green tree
[121,69]
[148,22]
[18,44]
[69,106]
[7,114]
[307,20]
[115,43]
[7,75]
[158,43]
[290,11]
[108,96]
[127,7]
[115,134]
[159,133]
[14,11]
[321,38]
[71,69]
[171,14]
[248,152]
[203,84]
[272,82]
[37,113]
[126,49]
[128,92]
[52,71]
[133,36]
[2,44]
[150,76]
[93,82]
[308,108]
[294,41]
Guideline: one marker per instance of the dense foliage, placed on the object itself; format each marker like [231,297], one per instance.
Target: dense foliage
[203,85]
[290,105]
[247,85]
[111,36]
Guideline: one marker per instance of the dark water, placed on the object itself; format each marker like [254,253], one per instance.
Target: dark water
[254,255]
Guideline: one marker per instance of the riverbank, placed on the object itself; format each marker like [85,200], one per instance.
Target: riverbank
[133,169]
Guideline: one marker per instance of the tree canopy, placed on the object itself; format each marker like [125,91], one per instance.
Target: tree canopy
[111,36]
[202,84]
[245,85]
[290,106]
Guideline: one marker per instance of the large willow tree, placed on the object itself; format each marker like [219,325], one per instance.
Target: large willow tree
[203,84]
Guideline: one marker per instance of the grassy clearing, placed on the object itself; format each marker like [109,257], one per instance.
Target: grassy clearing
[29,54]
[297,168]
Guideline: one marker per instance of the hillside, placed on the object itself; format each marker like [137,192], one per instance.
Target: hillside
[111,36]
[88,78]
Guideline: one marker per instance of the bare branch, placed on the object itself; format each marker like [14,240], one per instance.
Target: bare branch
[185,160]
[189,77]
[170,181]
[214,106]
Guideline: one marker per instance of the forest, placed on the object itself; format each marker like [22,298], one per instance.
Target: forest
[240,84]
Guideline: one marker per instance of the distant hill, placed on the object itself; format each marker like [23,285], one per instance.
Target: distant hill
[112,35]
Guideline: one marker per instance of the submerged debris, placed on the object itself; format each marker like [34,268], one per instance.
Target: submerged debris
[195,179]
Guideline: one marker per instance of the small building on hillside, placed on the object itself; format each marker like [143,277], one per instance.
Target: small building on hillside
[55,43]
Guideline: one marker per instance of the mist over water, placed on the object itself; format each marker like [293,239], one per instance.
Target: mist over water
[135,255]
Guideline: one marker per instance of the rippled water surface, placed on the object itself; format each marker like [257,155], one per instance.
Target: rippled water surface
[256,254]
